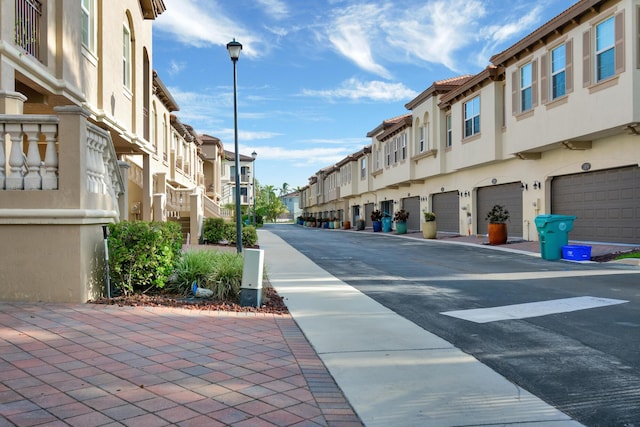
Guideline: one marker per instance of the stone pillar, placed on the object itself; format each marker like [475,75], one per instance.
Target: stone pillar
[146,188]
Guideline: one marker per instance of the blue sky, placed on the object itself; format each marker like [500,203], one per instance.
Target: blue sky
[315,76]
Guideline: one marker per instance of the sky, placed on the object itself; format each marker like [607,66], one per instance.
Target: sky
[315,76]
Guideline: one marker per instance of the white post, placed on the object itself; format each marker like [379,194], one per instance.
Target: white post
[251,289]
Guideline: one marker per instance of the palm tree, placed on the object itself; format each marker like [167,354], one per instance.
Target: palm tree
[284,190]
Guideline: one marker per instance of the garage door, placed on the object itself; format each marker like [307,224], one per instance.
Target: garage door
[607,204]
[368,208]
[508,195]
[446,206]
[412,205]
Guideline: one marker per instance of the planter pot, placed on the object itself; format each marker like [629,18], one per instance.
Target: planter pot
[336,225]
[346,225]
[377,226]
[331,225]
[401,227]
[497,234]
[429,230]
[360,225]
[325,225]
[386,224]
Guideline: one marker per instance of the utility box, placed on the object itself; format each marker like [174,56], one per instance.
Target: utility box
[553,233]
[251,289]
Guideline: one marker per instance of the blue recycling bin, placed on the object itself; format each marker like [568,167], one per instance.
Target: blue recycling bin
[553,233]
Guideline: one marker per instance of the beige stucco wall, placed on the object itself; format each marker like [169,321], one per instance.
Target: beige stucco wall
[65,266]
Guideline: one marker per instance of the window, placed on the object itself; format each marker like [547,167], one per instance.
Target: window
[449,131]
[404,146]
[363,168]
[421,139]
[558,71]
[472,117]
[526,90]
[87,18]
[605,50]
[126,57]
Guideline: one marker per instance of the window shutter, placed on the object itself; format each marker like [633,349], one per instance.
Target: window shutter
[515,87]
[534,83]
[568,70]
[586,58]
[544,78]
[619,46]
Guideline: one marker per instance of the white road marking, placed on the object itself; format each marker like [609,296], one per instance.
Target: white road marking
[533,309]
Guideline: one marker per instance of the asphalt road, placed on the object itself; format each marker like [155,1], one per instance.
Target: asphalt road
[586,363]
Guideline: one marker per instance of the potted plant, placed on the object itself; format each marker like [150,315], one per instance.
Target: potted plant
[497,230]
[429,228]
[376,220]
[400,218]
[360,224]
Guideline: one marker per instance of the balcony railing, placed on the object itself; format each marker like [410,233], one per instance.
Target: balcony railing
[28,170]
[28,13]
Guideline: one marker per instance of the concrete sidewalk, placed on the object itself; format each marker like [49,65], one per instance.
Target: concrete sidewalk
[393,372]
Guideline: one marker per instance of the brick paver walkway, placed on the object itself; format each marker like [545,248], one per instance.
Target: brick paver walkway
[91,365]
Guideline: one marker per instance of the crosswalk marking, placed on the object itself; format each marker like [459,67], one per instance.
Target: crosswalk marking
[532,309]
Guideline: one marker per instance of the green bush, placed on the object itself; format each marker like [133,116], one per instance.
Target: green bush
[226,278]
[142,254]
[193,266]
[213,230]
[249,234]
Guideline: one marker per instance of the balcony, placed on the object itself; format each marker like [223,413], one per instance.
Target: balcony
[28,14]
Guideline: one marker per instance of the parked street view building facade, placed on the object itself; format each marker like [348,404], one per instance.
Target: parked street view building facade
[90,136]
[552,125]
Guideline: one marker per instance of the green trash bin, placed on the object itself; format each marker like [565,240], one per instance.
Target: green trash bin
[553,233]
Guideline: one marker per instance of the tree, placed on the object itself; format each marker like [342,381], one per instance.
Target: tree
[284,189]
[269,205]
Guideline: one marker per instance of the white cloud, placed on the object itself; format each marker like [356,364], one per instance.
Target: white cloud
[436,31]
[303,157]
[352,33]
[277,9]
[176,68]
[178,21]
[354,89]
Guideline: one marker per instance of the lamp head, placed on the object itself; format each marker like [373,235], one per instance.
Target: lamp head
[254,154]
[234,49]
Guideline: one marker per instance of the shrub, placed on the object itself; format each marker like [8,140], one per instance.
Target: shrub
[249,234]
[193,266]
[213,230]
[142,254]
[226,278]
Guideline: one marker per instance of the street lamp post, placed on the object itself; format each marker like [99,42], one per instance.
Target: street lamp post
[254,155]
[234,49]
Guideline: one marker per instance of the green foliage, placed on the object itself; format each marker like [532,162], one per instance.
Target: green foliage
[142,254]
[213,230]
[193,266]
[634,254]
[249,236]
[226,278]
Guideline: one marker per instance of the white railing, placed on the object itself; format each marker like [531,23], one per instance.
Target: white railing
[103,172]
[178,199]
[28,171]
[211,208]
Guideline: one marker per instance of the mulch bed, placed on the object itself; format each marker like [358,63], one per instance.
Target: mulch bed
[272,303]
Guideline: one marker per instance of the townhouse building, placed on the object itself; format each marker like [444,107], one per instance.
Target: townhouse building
[228,183]
[89,137]
[552,125]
